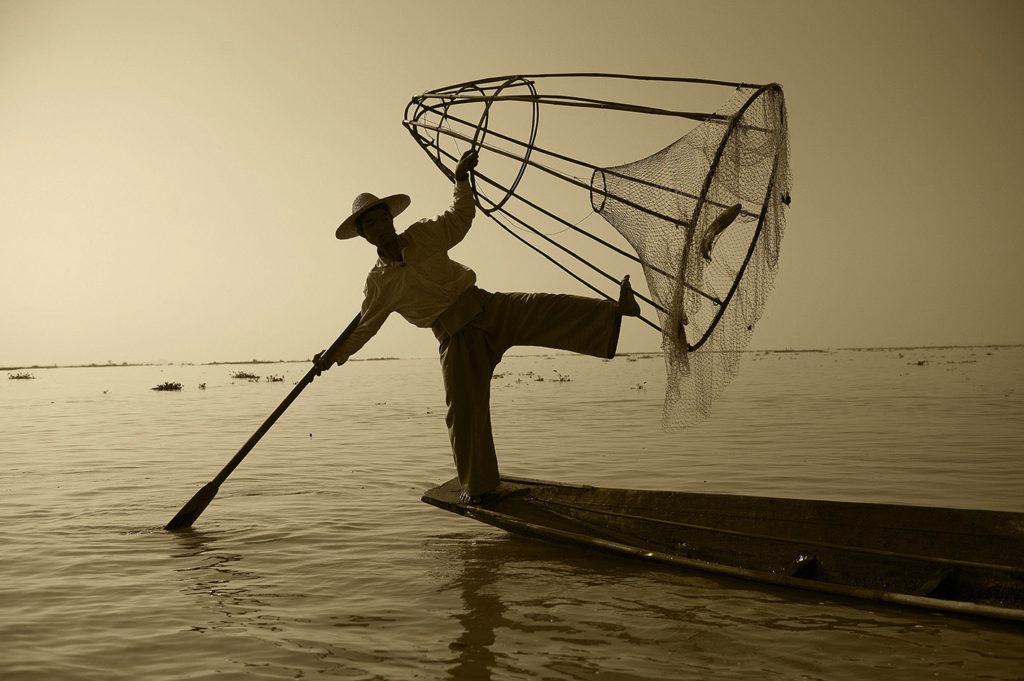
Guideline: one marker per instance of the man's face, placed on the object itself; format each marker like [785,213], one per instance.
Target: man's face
[376,226]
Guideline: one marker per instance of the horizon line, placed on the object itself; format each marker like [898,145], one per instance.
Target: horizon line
[110,363]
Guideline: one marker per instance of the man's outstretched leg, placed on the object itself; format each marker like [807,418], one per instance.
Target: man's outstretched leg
[588,326]
[468,358]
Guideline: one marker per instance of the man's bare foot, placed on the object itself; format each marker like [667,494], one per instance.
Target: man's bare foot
[628,307]
[484,498]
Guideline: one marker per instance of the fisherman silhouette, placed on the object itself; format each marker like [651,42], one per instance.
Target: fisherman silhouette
[415,277]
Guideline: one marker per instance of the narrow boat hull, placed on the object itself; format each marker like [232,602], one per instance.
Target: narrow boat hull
[956,560]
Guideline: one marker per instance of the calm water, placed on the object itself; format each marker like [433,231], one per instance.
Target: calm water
[317,559]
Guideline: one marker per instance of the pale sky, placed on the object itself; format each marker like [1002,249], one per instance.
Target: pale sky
[172,172]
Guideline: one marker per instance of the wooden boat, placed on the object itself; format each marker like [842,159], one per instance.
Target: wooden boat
[963,561]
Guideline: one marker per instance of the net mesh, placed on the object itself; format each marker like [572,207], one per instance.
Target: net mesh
[711,285]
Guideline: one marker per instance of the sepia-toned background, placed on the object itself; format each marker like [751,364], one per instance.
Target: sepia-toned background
[172,173]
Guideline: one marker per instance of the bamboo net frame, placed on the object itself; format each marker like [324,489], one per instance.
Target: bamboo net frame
[434,117]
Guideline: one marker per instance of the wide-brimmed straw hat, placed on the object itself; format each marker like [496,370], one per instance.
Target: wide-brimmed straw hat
[396,203]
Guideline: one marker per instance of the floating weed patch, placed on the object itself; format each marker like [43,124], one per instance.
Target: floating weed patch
[253,378]
[168,386]
[532,376]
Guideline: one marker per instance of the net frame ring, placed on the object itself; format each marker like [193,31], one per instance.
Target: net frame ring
[431,145]
[448,105]
[481,134]
[769,191]
[602,191]
[419,137]
[426,142]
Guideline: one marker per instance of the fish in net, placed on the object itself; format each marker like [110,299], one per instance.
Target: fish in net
[702,217]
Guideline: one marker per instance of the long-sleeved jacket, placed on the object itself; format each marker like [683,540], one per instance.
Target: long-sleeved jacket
[425,282]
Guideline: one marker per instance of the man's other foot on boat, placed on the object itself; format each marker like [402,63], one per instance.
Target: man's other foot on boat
[484,498]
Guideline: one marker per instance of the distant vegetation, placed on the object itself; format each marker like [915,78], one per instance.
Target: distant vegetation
[168,386]
[20,376]
[253,378]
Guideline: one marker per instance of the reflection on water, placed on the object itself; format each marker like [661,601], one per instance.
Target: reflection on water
[481,613]
[318,559]
[565,613]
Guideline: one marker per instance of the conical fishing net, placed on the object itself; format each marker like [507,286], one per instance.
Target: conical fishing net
[704,215]
[711,287]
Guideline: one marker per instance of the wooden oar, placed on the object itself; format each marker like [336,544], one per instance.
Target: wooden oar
[198,503]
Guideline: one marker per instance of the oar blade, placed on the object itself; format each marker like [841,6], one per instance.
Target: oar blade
[194,508]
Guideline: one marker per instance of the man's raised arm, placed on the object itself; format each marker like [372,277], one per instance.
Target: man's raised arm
[457,220]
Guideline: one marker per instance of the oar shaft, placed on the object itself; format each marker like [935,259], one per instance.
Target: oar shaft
[198,503]
[262,430]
